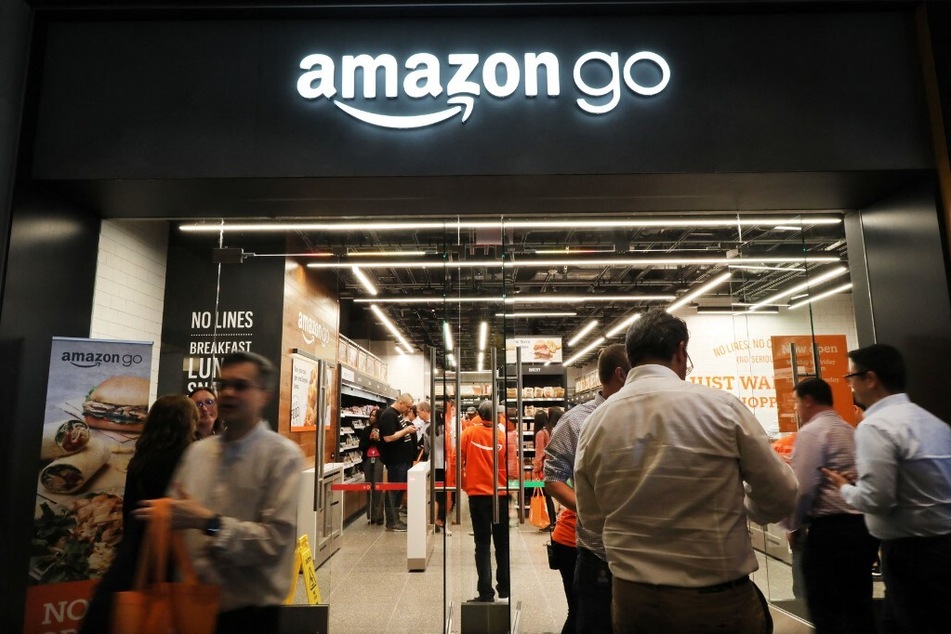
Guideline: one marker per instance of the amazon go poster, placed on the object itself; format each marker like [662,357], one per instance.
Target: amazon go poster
[828,359]
[97,398]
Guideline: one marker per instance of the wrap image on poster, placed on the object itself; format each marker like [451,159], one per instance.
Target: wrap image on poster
[97,399]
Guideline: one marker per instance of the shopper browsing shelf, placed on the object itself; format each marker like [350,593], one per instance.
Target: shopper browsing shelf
[399,450]
[372,466]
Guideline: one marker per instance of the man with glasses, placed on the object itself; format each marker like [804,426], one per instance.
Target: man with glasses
[239,492]
[660,473]
[903,458]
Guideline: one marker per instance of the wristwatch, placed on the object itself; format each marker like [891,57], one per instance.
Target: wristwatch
[213,525]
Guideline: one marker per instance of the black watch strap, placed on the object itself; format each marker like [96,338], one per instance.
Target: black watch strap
[213,525]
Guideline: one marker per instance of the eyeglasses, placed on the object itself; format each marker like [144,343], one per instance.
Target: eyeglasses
[689,365]
[208,402]
[855,374]
[238,385]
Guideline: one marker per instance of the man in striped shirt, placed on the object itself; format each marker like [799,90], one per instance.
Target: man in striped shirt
[838,551]
[591,583]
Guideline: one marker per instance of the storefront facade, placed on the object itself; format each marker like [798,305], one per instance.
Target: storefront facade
[260,114]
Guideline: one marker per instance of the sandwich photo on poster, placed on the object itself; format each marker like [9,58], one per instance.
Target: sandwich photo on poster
[534,349]
[96,404]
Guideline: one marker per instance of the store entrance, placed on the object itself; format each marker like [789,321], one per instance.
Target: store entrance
[488,322]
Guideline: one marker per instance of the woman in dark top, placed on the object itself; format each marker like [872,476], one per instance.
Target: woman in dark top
[169,429]
[370,447]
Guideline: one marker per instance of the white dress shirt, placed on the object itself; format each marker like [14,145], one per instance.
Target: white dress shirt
[660,471]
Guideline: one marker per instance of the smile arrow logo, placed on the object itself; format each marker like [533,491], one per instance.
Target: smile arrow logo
[460,103]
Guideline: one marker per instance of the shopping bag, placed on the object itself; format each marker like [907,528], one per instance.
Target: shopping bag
[538,511]
[156,605]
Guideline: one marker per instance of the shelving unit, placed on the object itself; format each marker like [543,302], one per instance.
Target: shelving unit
[359,394]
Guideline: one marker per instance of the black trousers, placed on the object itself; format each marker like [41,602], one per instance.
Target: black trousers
[565,558]
[837,568]
[485,532]
[917,574]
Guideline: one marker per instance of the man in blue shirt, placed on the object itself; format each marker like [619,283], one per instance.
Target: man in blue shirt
[903,458]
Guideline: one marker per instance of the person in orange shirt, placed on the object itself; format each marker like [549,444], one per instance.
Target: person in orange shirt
[477,446]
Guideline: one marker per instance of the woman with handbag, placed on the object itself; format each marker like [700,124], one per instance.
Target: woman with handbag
[169,429]
[543,428]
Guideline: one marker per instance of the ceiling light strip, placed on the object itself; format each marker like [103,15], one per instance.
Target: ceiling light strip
[828,275]
[447,335]
[593,262]
[518,299]
[581,333]
[367,284]
[584,351]
[530,314]
[577,223]
[389,325]
[701,290]
[483,336]
[622,325]
[834,291]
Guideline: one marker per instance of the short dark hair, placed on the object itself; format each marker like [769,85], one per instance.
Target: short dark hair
[612,357]
[817,389]
[202,388]
[265,367]
[655,337]
[885,361]
[485,411]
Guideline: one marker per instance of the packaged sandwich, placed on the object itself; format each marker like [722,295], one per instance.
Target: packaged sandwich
[71,473]
[63,439]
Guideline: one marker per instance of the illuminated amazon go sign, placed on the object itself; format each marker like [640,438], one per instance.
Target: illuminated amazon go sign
[462,79]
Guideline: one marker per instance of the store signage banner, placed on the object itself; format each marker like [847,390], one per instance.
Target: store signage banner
[304,385]
[534,349]
[832,366]
[97,398]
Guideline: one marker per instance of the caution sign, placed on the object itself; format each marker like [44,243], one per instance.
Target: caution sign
[304,562]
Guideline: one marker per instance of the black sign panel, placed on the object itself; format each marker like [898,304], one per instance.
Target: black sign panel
[469,96]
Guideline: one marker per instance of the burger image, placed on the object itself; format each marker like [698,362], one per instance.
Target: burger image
[119,403]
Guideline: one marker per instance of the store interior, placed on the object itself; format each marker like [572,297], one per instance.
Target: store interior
[514,309]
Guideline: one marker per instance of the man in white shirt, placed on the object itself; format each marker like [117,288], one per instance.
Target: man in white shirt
[239,493]
[660,472]
[903,457]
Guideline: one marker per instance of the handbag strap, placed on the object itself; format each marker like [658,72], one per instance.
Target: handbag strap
[160,542]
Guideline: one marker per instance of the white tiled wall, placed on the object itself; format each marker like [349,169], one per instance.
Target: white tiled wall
[130,284]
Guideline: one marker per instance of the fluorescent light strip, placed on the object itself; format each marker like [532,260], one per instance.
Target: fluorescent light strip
[578,223]
[367,284]
[569,251]
[483,335]
[584,351]
[447,335]
[517,315]
[834,291]
[751,267]
[581,333]
[598,262]
[622,325]
[787,228]
[518,299]
[389,325]
[361,254]
[828,275]
[452,360]
[689,297]
[481,360]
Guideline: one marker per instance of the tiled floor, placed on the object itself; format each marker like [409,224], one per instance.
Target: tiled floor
[370,591]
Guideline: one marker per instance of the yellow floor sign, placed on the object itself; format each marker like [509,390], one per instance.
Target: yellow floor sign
[304,561]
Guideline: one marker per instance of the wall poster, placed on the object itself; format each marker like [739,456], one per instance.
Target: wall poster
[97,399]
[534,349]
[304,386]
[833,365]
